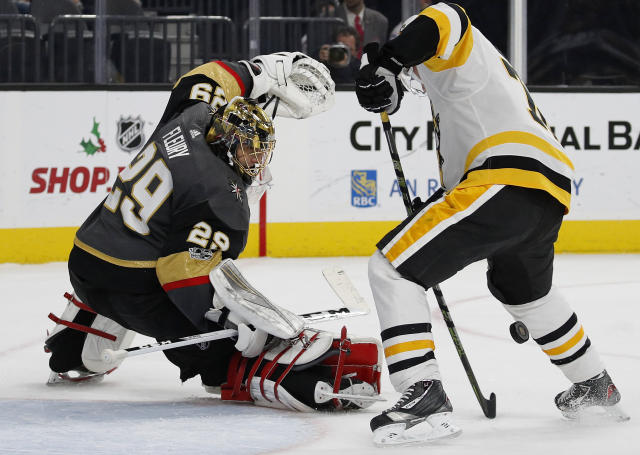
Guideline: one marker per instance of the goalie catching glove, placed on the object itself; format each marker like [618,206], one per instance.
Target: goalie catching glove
[302,86]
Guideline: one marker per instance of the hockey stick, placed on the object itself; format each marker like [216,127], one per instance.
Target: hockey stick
[110,356]
[354,305]
[488,406]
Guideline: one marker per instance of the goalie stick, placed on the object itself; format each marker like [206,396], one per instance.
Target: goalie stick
[354,305]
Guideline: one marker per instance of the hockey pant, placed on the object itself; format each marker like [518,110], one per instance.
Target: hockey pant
[513,228]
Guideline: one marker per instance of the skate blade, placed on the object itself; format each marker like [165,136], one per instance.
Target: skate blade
[598,413]
[56,379]
[433,428]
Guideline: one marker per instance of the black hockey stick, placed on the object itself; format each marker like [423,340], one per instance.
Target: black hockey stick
[488,406]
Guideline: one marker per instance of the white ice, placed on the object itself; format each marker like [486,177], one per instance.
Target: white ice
[142,408]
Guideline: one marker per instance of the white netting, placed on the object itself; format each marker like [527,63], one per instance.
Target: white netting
[310,91]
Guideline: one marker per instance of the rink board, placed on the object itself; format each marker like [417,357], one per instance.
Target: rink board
[334,189]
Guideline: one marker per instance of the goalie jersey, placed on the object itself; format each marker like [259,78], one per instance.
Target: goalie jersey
[177,209]
[488,128]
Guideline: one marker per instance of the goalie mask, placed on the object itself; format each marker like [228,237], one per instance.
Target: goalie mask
[247,137]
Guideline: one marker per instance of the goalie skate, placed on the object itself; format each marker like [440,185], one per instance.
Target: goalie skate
[76,377]
[422,415]
[597,397]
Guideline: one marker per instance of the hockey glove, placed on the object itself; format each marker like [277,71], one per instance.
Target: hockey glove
[378,87]
[303,86]
[270,71]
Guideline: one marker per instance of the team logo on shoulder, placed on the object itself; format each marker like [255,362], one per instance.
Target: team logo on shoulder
[364,188]
[130,135]
[236,189]
[194,133]
[201,254]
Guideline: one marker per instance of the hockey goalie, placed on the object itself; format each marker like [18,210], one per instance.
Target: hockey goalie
[142,260]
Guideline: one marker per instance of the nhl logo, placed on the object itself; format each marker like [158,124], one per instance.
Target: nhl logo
[130,135]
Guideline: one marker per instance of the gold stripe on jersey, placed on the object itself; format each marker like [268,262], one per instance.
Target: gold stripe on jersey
[115,261]
[516,177]
[516,137]
[219,74]
[181,266]
[453,204]
[461,50]
[409,346]
[567,345]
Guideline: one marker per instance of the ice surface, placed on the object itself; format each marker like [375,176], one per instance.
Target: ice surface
[142,408]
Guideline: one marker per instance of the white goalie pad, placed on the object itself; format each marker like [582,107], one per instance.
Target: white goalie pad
[94,345]
[107,334]
[249,306]
[349,377]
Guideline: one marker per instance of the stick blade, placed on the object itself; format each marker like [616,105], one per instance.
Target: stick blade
[490,409]
[339,281]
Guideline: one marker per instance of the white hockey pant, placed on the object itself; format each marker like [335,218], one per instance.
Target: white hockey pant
[405,321]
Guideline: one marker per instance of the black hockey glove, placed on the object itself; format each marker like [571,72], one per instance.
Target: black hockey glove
[417,203]
[377,85]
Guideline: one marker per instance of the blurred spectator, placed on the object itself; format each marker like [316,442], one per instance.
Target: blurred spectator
[396,30]
[119,7]
[324,8]
[24,6]
[340,55]
[371,25]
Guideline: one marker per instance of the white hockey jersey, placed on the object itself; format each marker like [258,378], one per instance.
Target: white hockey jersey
[488,127]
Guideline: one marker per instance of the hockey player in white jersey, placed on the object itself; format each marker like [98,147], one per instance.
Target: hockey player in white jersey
[505,187]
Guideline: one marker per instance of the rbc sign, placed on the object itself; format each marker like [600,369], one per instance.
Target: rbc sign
[364,188]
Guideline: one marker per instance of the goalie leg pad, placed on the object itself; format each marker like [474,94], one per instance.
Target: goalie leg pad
[309,374]
[77,341]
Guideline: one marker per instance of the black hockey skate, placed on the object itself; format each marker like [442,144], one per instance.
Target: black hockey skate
[422,414]
[594,396]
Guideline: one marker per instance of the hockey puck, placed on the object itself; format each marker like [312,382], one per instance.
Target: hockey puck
[519,332]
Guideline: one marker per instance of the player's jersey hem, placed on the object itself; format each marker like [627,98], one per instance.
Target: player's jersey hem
[113,260]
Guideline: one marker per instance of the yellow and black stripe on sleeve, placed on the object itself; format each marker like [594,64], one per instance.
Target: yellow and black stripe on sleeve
[455,39]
